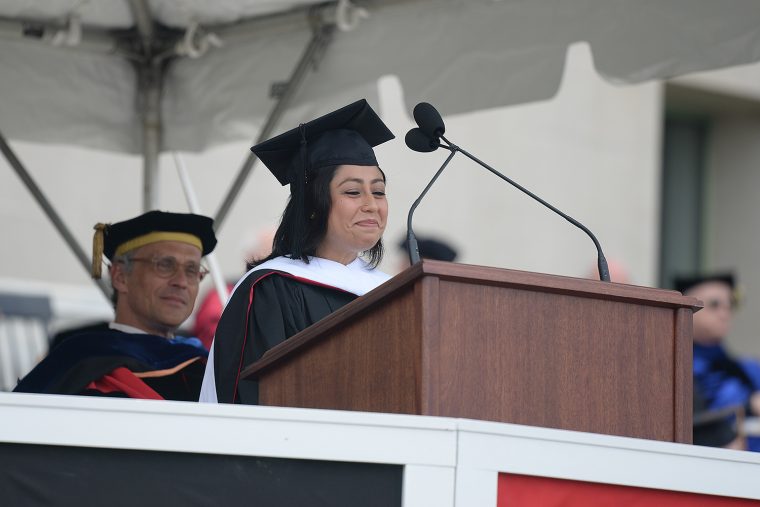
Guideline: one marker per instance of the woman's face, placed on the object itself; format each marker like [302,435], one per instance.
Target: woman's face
[358,213]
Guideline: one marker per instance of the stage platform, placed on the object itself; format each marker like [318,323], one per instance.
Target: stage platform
[66,450]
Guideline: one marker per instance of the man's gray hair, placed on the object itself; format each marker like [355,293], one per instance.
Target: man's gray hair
[126,260]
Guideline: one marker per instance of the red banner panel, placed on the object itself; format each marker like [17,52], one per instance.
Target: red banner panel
[530,491]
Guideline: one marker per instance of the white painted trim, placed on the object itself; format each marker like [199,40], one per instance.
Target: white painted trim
[226,429]
[446,460]
[607,459]
[476,487]
[426,486]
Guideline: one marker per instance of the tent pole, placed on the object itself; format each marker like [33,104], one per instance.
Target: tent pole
[150,76]
[192,202]
[149,84]
[52,215]
[320,39]
[144,23]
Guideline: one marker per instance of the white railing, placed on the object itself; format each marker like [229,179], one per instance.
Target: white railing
[447,462]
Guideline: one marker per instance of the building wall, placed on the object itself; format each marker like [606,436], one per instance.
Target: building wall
[733,225]
[592,151]
[730,98]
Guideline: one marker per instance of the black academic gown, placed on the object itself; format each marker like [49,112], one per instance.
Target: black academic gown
[266,309]
[117,364]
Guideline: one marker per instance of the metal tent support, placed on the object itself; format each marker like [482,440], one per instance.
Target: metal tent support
[52,215]
[322,35]
[149,84]
[149,90]
[192,202]
[150,50]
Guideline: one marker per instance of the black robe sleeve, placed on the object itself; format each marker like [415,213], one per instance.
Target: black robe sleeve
[263,313]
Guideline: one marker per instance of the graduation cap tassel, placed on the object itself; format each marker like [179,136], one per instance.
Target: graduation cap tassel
[298,190]
[97,250]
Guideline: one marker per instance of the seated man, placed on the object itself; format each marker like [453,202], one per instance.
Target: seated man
[720,378]
[155,271]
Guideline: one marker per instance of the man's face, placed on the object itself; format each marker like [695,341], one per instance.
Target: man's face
[149,301]
[713,322]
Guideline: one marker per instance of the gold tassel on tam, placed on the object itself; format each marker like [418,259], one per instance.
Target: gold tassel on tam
[97,250]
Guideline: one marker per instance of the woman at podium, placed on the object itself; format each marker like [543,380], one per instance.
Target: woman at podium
[325,251]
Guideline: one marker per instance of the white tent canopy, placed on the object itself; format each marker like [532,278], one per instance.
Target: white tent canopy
[460,55]
[145,76]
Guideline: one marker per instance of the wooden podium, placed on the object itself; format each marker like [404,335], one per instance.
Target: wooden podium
[485,343]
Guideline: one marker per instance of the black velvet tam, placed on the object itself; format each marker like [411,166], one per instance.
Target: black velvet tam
[684,283]
[434,249]
[118,234]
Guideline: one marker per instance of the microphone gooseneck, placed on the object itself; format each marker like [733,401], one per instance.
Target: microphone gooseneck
[604,272]
[411,239]
[417,140]
[428,138]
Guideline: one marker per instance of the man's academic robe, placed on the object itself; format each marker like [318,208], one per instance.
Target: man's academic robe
[118,364]
[726,381]
[269,306]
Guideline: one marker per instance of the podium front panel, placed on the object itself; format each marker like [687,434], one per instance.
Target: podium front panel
[498,345]
[361,366]
[554,360]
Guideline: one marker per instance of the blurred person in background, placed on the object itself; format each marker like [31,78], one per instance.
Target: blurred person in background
[720,379]
[716,428]
[617,269]
[429,248]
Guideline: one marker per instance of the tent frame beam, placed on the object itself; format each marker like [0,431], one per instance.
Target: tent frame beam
[144,23]
[51,213]
[150,55]
[322,35]
[93,40]
[150,62]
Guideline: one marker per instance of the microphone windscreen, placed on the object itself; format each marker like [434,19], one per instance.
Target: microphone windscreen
[429,120]
[417,141]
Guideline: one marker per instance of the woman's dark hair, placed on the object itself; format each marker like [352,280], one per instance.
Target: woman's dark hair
[317,205]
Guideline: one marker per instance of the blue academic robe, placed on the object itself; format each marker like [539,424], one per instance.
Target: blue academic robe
[113,363]
[725,381]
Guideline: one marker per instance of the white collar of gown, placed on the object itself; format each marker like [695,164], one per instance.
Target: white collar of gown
[357,277]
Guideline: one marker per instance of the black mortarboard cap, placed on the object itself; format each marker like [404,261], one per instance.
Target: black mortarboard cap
[115,239]
[684,283]
[344,136]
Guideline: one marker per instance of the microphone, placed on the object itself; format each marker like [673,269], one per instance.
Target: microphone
[429,120]
[431,128]
[416,140]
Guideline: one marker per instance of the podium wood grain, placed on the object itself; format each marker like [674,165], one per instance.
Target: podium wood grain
[484,343]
